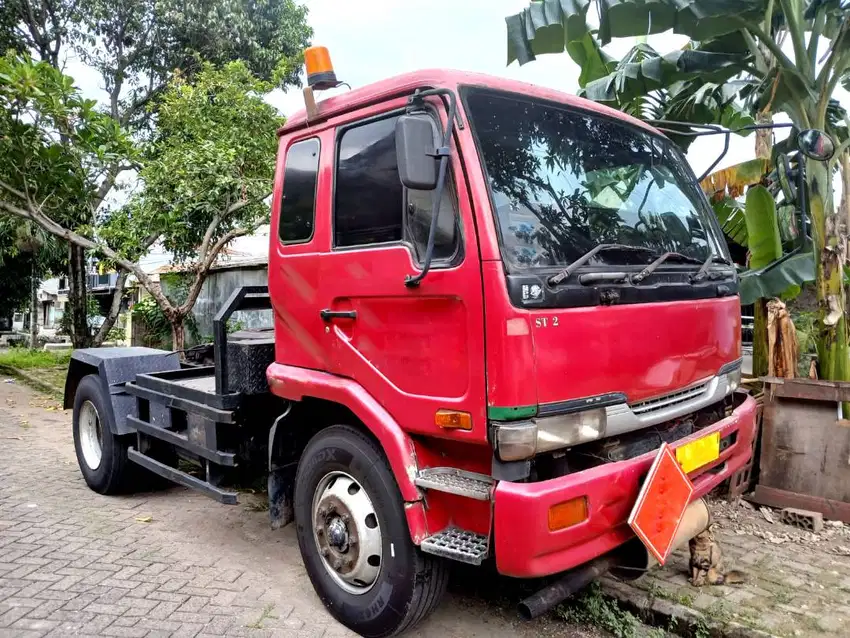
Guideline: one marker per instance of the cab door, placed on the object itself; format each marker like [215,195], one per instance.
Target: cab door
[416,350]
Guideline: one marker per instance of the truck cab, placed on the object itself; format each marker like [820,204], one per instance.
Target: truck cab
[493,303]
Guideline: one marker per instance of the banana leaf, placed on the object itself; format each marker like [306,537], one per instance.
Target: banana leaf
[730,214]
[764,241]
[732,181]
[547,27]
[643,70]
[591,59]
[783,280]
[770,274]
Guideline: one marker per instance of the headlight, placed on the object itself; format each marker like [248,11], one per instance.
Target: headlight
[522,440]
[733,379]
[570,429]
[731,373]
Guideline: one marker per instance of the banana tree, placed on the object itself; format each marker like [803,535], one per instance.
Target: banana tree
[736,43]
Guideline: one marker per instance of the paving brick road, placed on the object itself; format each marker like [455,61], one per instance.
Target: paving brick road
[165,564]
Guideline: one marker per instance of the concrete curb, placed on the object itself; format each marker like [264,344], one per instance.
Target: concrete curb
[31,380]
[683,620]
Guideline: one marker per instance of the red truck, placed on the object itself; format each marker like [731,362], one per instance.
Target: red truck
[492,303]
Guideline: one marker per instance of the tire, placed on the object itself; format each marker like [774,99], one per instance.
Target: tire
[110,474]
[409,584]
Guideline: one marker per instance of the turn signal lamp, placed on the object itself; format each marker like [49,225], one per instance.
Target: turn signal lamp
[453,420]
[567,514]
[320,71]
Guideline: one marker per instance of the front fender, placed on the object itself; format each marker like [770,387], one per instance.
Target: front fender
[293,383]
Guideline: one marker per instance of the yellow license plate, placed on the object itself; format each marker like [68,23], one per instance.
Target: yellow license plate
[695,454]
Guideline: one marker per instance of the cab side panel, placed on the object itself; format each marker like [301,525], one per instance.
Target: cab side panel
[294,267]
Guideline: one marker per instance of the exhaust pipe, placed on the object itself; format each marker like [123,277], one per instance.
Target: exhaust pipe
[628,562]
[566,586]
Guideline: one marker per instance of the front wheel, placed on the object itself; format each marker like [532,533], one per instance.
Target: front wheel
[354,538]
[102,455]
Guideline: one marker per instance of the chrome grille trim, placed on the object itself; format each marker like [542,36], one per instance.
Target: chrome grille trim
[680,396]
[624,418]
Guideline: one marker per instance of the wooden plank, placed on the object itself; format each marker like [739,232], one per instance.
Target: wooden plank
[772,497]
[809,389]
[805,450]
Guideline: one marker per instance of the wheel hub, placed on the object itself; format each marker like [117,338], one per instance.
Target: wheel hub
[337,534]
[91,435]
[346,531]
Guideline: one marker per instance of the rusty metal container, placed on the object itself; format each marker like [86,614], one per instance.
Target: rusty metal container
[805,447]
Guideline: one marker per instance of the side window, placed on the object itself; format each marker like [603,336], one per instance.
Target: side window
[371,205]
[369,195]
[298,204]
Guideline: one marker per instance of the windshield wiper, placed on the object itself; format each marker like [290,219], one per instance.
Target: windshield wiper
[702,273]
[554,280]
[646,272]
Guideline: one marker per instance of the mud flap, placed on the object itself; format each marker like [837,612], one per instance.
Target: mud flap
[281,495]
[282,470]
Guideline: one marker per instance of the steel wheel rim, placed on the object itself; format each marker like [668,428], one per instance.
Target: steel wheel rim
[91,435]
[347,533]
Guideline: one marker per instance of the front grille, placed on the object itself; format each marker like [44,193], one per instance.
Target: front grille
[668,400]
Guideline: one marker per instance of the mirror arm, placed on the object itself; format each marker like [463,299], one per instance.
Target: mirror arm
[720,157]
[803,196]
[442,153]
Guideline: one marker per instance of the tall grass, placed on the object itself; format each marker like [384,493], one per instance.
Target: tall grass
[26,359]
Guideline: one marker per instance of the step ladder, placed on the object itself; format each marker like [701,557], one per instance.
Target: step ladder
[454,543]
[454,481]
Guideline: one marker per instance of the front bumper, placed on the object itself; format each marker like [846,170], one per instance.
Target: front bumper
[525,547]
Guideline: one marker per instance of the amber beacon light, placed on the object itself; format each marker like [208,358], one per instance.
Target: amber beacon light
[320,71]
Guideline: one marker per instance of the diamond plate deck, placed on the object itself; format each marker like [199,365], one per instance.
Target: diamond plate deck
[454,481]
[458,544]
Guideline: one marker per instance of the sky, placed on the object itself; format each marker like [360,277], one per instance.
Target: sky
[370,40]
[373,39]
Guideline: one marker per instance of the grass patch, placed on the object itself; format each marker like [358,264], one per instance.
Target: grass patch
[26,359]
[267,614]
[590,607]
[43,370]
[657,591]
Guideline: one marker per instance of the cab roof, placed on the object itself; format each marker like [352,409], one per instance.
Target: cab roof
[444,78]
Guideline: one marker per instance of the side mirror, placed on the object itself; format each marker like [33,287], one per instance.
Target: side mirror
[416,152]
[816,144]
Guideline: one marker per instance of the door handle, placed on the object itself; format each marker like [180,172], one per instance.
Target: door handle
[327,315]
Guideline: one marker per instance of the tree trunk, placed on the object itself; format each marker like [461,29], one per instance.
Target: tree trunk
[764,137]
[764,145]
[178,335]
[844,207]
[829,249]
[760,335]
[34,305]
[114,310]
[77,297]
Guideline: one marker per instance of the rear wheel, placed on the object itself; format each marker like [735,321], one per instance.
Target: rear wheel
[354,537]
[102,455]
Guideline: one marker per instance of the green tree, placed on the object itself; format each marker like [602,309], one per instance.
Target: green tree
[207,172]
[739,42]
[55,147]
[135,45]
[208,169]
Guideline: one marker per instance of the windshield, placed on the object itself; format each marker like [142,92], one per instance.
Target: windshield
[564,180]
